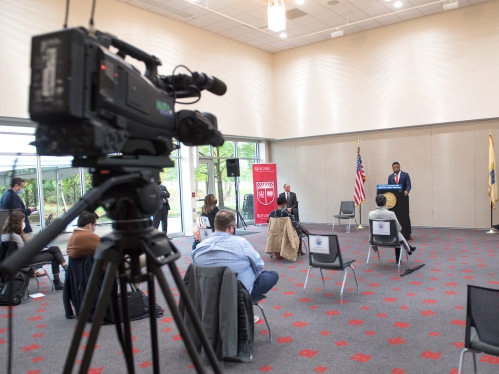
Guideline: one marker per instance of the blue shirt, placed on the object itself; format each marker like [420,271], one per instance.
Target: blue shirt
[224,249]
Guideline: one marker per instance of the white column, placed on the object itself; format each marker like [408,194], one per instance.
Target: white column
[188,187]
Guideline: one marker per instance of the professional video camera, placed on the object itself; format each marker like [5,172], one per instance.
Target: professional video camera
[89,101]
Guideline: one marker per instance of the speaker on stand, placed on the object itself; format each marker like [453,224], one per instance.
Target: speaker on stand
[232,165]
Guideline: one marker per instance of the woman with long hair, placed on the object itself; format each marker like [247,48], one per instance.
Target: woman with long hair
[13,231]
[210,205]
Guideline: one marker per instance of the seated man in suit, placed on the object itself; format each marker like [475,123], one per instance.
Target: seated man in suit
[84,241]
[382,213]
[291,201]
[225,249]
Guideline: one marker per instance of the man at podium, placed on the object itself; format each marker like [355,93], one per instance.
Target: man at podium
[401,177]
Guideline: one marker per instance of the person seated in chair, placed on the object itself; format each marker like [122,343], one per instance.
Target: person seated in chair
[281,211]
[13,231]
[291,201]
[225,249]
[83,241]
[382,213]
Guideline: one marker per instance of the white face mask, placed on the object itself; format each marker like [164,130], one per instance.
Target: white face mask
[20,191]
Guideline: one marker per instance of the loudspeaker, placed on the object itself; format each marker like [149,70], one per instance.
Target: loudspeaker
[232,167]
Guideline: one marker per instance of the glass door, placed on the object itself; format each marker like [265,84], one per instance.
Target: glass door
[205,183]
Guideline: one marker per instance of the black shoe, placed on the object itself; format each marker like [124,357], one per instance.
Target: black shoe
[412,250]
[496,227]
[59,286]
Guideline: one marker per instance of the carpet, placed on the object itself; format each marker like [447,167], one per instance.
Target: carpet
[397,325]
[242,232]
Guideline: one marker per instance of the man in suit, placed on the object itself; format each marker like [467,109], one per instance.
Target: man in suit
[291,202]
[382,213]
[401,177]
[11,200]
[162,213]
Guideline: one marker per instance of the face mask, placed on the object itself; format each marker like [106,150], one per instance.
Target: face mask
[20,191]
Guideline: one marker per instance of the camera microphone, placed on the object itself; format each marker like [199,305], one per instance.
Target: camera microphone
[211,84]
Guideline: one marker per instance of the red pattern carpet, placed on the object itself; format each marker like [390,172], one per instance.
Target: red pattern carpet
[411,324]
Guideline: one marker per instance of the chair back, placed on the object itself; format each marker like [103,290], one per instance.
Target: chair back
[7,248]
[482,313]
[4,213]
[333,254]
[347,208]
[383,240]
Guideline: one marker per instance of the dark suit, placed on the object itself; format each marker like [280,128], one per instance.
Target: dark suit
[164,207]
[11,200]
[293,203]
[405,219]
[404,180]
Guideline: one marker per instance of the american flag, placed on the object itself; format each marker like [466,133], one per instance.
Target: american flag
[359,195]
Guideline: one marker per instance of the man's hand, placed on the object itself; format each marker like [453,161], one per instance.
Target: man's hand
[406,193]
[290,209]
[32,208]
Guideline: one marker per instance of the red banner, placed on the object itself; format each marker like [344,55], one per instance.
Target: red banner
[264,191]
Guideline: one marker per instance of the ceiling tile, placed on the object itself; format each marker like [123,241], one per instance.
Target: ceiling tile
[241,29]
[178,4]
[177,17]
[259,13]
[318,26]
[140,4]
[326,14]
[197,22]
[213,28]
[230,12]
[429,12]
[311,6]
[377,10]
[364,4]
[342,9]
[196,11]
[389,21]
[407,17]
[246,18]
[246,6]
[351,29]
[357,16]
[160,11]
[226,24]
[371,25]
[266,39]
[215,5]
[410,12]
[227,33]
[228,2]
[212,18]
[241,38]
[335,22]
[255,43]
[305,20]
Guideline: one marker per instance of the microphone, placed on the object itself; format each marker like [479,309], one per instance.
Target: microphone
[211,84]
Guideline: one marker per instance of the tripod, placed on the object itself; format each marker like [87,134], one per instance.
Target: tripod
[129,195]
[239,217]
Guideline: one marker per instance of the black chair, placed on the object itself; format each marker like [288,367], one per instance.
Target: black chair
[482,314]
[385,240]
[256,302]
[330,261]
[347,211]
[8,247]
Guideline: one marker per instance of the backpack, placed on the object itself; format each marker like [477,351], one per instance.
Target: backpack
[15,287]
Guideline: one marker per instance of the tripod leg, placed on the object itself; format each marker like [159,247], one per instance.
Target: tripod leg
[127,346]
[181,325]
[100,311]
[83,316]
[152,317]
[242,220]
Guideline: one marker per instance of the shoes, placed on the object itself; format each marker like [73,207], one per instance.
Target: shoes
[412,250]
[59,286]
[301,253]
[71,317]
[496,227]
[40,273]
[256,319]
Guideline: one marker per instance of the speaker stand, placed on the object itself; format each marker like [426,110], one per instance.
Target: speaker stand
[239,217]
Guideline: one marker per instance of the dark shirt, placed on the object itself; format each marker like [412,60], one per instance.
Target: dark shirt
[11,200]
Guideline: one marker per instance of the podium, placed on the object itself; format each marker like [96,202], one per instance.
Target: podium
[398,203]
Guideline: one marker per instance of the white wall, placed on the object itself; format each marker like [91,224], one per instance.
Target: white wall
[448,166]
[246,109]
[431,70]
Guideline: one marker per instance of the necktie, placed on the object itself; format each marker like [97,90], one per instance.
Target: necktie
[287,198]
[397,179]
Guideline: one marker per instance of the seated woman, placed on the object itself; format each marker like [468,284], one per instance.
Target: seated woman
[209,210]
[13,231]
[281,211]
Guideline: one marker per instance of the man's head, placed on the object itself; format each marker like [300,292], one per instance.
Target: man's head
[87,220]
[396,167]
[225,221]
[159,182]
[281,200]
[380,200]
[17,184]
[287,187]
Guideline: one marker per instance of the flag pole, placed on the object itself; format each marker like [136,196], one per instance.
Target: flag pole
[492,182]
[360,206]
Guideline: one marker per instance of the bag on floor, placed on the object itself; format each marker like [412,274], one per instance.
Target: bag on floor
[15,287]
[136,308]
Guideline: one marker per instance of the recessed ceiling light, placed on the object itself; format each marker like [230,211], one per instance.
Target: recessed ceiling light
[283,35]
[397,4]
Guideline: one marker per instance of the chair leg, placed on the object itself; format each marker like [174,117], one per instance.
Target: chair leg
[461,359]
[323,281]
[356,224]
[267,322]
[306,279]
[355,277]
[51,282]
[37,283]
[343,286]
[474,361]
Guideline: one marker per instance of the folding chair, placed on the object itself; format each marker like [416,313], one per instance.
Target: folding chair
[325,253]
[347,211]
[482,314]
[384,234]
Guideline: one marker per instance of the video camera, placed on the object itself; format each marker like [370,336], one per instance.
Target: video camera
[88,101]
